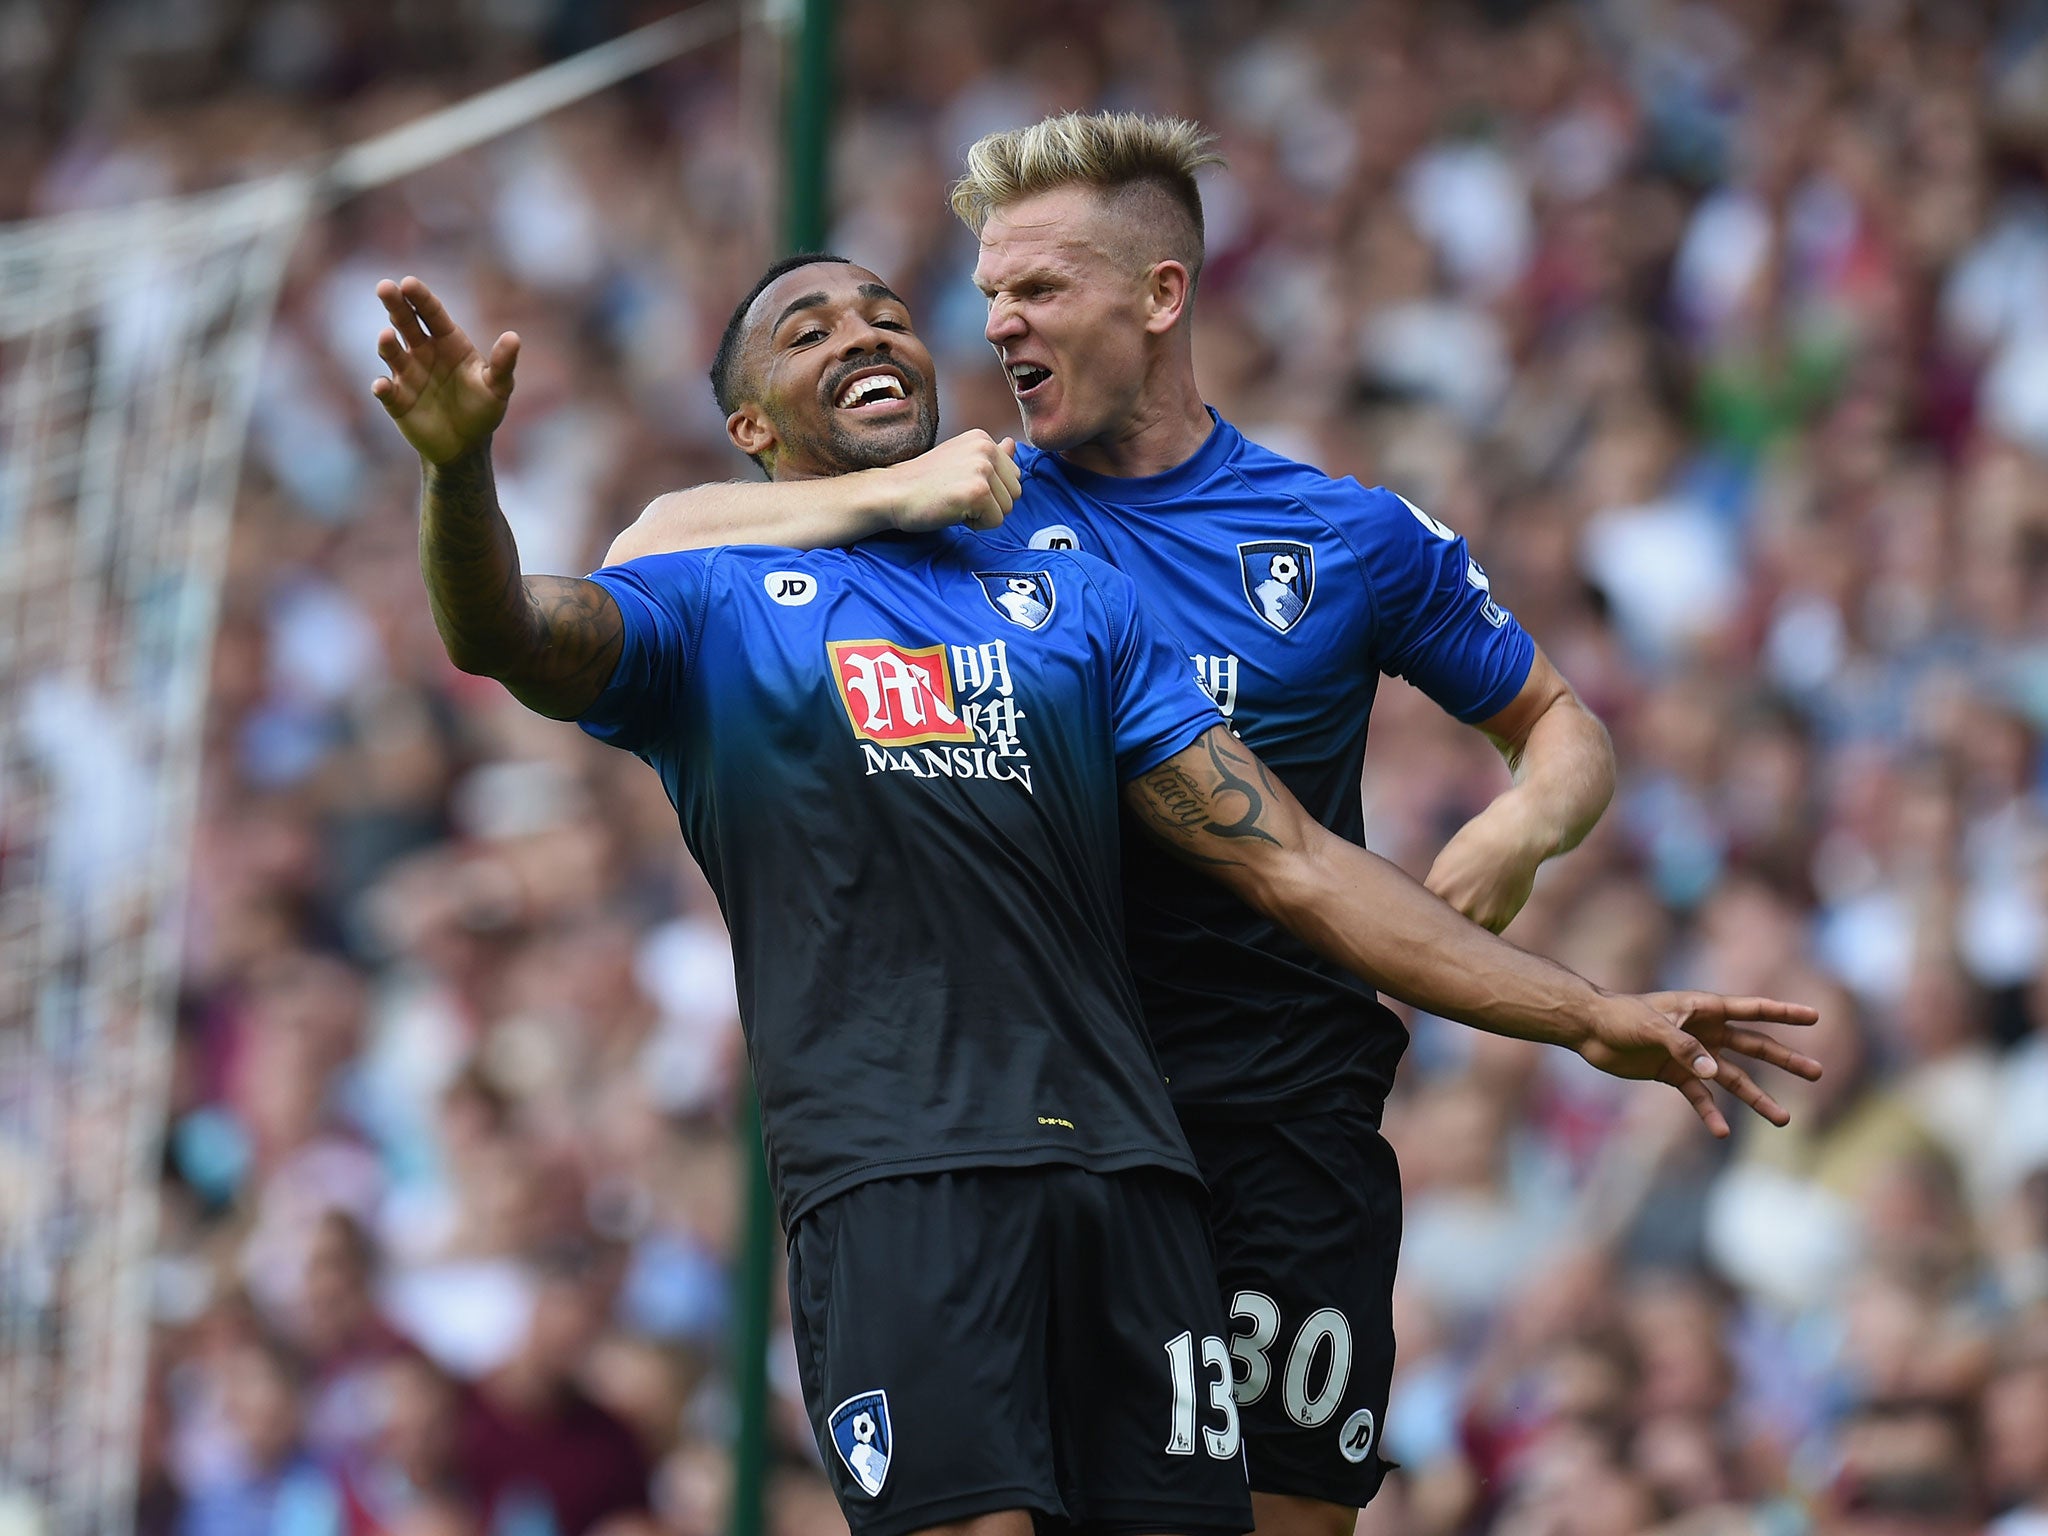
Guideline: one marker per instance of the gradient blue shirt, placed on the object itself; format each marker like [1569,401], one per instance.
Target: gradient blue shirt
[900,767]
[1294,591]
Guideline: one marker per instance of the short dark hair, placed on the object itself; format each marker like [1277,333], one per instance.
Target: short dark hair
[725,367]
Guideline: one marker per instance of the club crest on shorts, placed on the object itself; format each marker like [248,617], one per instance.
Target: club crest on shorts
[861,1435]
[1279,579]
[1022,597]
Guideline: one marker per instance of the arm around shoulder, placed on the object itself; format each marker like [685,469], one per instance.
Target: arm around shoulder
[970,479]
[799,514]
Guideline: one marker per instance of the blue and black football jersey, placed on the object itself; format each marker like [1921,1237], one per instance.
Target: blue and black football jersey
[899,766]
[1295,591]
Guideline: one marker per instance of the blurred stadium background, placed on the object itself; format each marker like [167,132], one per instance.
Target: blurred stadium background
[1720,327]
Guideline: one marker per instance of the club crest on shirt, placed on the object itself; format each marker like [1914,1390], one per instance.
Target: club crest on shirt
[861,1435]
[1279,579]
[1022,597]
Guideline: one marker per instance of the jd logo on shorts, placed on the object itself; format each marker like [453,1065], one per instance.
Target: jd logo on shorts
[1355,1440]
[1022,597]
[860,1432]
[1279,579]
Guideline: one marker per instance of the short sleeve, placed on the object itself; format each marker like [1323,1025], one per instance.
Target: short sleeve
[1160,706]
[1435,618]
[660,599]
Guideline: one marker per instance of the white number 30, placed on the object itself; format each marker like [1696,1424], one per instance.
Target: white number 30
[1249,1347]
[1221,1443]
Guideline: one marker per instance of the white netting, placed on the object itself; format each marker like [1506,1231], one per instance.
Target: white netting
[129,345]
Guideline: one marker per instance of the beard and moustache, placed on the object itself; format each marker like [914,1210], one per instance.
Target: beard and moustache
[848,448]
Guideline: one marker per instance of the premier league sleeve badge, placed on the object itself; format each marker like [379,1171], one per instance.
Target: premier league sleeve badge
[861,1435]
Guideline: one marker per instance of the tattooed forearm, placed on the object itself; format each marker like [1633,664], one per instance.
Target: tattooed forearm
[470,563]
[552,640]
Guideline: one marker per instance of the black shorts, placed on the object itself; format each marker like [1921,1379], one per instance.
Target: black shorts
[1038,1338]
[1306,1213]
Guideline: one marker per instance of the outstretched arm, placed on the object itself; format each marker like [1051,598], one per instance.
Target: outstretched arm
[1563,767]
[551,640]
[970,479]
[1215,806]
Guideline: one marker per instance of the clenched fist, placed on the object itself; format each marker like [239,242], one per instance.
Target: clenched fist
[969,479]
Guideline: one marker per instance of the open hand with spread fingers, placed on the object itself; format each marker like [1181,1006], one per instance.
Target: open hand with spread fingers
[445,395]
[1687,1039]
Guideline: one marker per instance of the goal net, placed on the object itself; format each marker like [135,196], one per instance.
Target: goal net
[130,343]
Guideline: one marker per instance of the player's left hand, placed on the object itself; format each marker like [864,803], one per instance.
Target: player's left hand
[1484,873]
[1686,1038]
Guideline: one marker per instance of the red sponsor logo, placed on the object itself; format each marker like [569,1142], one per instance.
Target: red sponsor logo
[895,695]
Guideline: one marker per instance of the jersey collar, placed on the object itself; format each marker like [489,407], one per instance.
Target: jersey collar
[1142,490]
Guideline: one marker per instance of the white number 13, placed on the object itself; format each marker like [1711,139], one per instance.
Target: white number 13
[1180,1356]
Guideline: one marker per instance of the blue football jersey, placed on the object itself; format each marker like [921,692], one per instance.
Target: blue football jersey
[900,768]
[1295,592]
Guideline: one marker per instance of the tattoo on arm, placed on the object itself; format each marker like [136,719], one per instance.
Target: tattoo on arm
[1232,762]
[582,635]
[469,559]
[1207,796]
[552,640]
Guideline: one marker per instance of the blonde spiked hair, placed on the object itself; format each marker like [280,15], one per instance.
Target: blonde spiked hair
[1114,152]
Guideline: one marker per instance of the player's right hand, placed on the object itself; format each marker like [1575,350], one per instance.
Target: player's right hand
[969,479]
[446,397]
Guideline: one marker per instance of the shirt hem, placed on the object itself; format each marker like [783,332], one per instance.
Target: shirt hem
[1111,1160]
[1503,693]
[1172,744]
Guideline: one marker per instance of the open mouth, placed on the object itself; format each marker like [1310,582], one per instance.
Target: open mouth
[1028,378]
[872,390]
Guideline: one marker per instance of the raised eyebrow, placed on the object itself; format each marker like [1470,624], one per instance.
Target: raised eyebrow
[882,291]
[797,305]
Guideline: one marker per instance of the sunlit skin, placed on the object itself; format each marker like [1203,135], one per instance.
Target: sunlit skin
[1067,292]
[810,334]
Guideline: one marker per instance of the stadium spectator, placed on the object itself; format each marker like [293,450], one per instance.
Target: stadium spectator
[533,1449]
[266,1479]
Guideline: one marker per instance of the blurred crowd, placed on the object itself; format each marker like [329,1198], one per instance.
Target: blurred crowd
[1719,327]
